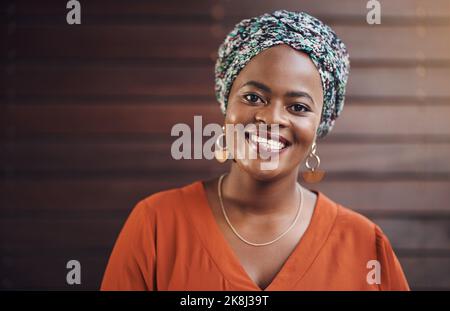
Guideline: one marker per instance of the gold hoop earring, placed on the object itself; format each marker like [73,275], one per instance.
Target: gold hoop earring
[313,175]
[220,153]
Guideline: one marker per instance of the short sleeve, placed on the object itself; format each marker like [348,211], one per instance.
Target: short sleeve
[132,262]
[392,276]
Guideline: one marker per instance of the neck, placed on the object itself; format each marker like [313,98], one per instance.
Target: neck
[260,197]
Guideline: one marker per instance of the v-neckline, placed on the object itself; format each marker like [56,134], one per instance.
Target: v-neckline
[227,261]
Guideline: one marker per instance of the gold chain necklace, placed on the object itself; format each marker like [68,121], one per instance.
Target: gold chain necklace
[219,190]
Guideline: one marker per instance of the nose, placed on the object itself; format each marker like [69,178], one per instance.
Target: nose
[272,114]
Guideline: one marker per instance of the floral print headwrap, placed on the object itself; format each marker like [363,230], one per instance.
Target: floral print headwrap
[302,32]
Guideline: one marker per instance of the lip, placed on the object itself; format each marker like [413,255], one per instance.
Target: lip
[275,137]
[270,135]
[260,148]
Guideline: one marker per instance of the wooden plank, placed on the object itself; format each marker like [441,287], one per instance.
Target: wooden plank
[113,8]
[398,120]
[389,197]
[343,8]
[394,82]
[64,155]
[72,236]
[55,198]
[116,42]
[244,8]
[427,273]
[414,234]
[112,42]
[385,158]
[423,234]
[73,196]
[92,232]
[78,196]
[90,79]
[396,43]
[47,271]
[383,119]
[50,234]
[147,158]
[106,119]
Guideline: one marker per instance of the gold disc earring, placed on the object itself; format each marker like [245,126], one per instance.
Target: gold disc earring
[221,153]
[313,175]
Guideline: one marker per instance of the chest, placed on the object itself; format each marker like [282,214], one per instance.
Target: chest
[262,264]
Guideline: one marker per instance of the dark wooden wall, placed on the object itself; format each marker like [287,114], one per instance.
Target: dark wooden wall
[86,113]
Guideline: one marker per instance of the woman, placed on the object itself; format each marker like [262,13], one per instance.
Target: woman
[254,228]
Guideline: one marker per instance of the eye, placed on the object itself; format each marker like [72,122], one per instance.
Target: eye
[299,108]
[252,98]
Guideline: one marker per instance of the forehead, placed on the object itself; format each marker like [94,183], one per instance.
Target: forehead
[282,67]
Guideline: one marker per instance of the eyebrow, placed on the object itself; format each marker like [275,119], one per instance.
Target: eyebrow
[267,89]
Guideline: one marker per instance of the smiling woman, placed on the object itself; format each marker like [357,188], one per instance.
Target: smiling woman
[254,228]
[288,94]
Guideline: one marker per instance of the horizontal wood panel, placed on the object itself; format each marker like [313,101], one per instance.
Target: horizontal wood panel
[427,273]
[71,237]
[47,271]
[100,118]
[85,197]
[117,8]
[342,8]
[415,234]
[393,82]
[33,79]
[163,80]
[390,197]
[112,42]
[155,156]
[173,41]
[82,196]
[134,70]
[67,234]
[400,43]
[394,120]
[177,8]
[384,119]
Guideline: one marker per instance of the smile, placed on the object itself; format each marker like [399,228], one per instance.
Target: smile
[271,144]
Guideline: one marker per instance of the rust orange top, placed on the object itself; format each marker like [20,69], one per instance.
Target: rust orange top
[171,241]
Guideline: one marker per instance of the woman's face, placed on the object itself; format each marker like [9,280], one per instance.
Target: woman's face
[280,86]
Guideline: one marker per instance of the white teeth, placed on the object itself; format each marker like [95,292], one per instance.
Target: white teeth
[267,143]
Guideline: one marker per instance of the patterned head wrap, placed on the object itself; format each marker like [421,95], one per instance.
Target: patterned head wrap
[300,31]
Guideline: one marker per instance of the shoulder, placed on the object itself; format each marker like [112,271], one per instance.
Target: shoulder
[361,232]
[353,228]
[346,219]
[359,224]
[354,221]
[361,238]
[166,202]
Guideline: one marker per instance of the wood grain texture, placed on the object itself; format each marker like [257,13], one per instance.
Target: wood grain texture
[86,114]
[199,42]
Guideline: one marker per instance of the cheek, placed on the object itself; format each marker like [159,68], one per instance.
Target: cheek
[237,113]
[304,130]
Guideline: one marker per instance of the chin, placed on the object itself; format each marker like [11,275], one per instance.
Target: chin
[254,168]
[272,166]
